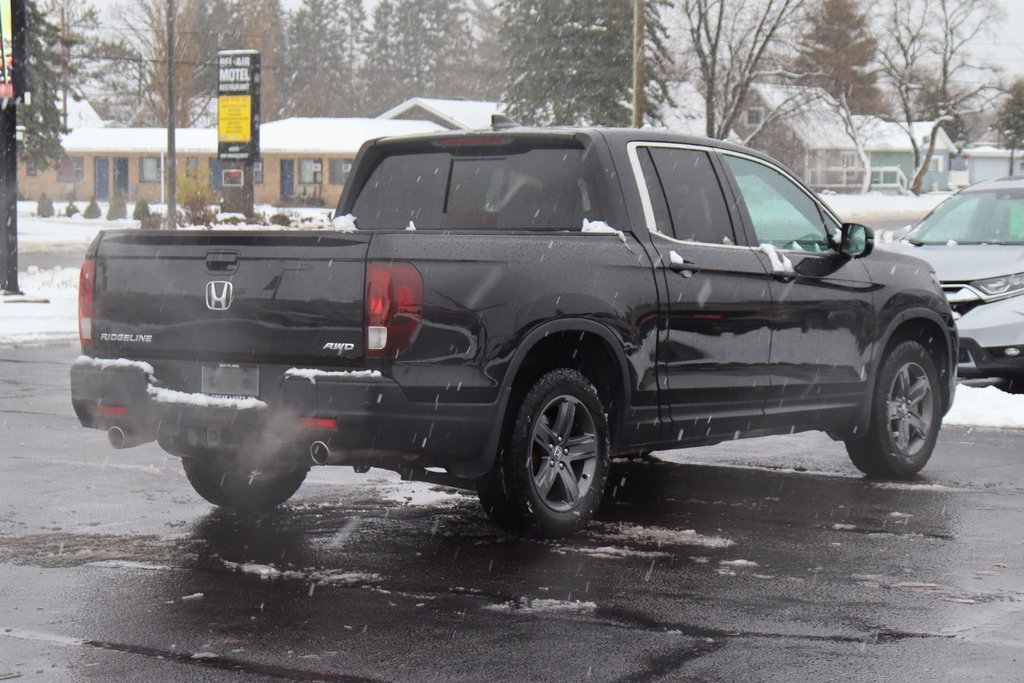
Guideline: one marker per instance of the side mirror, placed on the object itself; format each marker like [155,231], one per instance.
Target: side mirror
[857,240]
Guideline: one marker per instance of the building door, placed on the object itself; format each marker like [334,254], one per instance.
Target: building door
[121,175]
[216,178]
[101,178]
[287,178]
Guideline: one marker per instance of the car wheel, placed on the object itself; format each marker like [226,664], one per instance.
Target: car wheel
[225,482]
[906,414]
[551,471]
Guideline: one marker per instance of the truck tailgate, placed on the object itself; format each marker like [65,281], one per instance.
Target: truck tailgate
[231,296]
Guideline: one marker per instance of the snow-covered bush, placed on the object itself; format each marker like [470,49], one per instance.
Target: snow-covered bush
[151,221]
[70,210]
[44,208]
[92,211]
[117,209]
[141,211]
[196,196]
[281,219]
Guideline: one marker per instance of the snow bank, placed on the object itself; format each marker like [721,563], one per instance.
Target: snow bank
[986,407]
[540,605]
[28,320]
[875,206]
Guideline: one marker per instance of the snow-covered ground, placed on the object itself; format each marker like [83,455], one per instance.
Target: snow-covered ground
[26,320]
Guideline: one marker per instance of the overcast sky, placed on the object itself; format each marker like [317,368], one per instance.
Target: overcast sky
[1005,47]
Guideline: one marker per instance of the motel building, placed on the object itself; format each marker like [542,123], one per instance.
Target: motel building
[303,161]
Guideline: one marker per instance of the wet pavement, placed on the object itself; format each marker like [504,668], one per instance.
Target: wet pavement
[766,559]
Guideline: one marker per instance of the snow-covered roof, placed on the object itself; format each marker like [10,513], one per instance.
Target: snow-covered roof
[466,114]
[988,152]
[81,114]
[688,116]
[333,136]
[139,140]
[288,136]
[809,116]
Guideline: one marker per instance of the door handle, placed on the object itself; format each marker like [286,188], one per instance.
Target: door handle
[678,264]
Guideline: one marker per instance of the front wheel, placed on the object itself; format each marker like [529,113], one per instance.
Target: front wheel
[906,413]
[225,482]
[551,472]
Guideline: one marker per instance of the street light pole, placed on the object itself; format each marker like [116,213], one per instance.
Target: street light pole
[171,170]
[638,63]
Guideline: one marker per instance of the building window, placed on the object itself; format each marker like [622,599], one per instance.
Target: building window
[149,169]
[191,166]
[935,165]
[310,172]
[339,169]
[257,172]
[755,116]
[848,159]
[30,167]
[72,170]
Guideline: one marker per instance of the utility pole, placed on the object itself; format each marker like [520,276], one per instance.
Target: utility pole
[64,65]
[13,89]
[171,169]
[638,63]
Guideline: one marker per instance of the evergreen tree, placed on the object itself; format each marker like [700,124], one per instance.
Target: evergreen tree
[1010,123]
[315,52]
[837,53]
[572,63]
[42,119]
[419,48]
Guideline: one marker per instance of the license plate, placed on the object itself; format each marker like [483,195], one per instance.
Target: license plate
[232,380]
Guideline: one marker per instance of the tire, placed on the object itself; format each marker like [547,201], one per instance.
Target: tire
[906,413]
[539,487]
[228,484]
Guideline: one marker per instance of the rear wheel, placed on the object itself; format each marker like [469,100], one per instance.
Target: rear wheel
[225,482]
[906,413]
[550,474]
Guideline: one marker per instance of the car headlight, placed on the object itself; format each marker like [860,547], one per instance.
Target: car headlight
[999,286]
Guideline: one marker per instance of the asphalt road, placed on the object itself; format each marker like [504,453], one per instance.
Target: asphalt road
[757,560]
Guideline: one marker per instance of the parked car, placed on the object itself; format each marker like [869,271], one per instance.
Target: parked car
[975,242]
[507,310]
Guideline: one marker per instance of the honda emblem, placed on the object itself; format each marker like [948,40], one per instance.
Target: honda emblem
[219,295]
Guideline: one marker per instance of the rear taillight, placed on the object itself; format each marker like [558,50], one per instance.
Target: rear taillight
[86,299]
[394,306]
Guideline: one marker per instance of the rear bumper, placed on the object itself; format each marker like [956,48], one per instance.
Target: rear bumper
[376,424]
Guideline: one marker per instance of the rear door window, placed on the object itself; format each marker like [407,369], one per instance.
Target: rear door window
[539,189]
[696,205]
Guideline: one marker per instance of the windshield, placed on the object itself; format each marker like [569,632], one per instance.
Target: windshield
[995,217]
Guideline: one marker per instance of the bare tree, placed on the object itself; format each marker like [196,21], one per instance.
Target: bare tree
[144,24]
[733,44]
[929,70]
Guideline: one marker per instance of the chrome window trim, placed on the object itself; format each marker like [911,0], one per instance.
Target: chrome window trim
[645,198]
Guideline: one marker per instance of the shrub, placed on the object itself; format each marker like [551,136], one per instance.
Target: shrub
[71,209]
[117,209]
[92,211]
[196,196]
[280,219]
[44,208]
[151,221]
[141,211]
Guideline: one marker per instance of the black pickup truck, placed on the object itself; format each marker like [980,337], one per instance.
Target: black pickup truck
[509,310]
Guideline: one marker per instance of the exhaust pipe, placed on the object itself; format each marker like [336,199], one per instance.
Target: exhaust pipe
[319,452]
[120,437]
